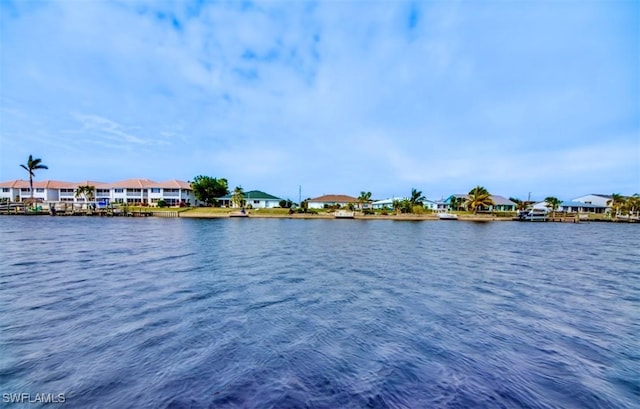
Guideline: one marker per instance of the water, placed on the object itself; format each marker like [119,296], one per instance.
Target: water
[278,313]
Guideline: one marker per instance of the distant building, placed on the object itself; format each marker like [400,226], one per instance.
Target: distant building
[386,203]
[321,202]
[594,199]
[501,204]
[256,198]
[572,207]
[129,191]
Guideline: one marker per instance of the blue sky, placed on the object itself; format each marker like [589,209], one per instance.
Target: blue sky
[333,96]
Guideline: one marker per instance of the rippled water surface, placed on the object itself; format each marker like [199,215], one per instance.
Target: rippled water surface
[279,313]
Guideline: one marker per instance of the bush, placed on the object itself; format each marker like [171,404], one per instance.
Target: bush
[162,203]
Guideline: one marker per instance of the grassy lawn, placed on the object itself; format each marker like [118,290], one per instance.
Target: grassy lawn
[156,209]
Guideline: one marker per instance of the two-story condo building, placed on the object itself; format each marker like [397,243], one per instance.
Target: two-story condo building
[129,191]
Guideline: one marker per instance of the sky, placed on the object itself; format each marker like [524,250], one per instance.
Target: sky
[527,98]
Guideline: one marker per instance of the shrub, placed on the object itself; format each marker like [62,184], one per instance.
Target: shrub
[162,203]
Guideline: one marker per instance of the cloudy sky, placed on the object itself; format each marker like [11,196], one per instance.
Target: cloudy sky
[333,96]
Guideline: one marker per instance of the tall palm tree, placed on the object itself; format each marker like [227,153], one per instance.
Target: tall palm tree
[479,197]
[237,198]
[364,197]
[553,203]
[33,164]
[616,202]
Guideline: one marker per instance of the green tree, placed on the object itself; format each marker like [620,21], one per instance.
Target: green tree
[416,198]
[632,204]
[33,164]
[365,197]
[617,202]
[87,192]
[553,203]
[520,204]
[455,203]
[237,198]
[479,197]
[207,189]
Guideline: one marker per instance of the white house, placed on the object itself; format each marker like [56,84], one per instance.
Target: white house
[321,202]
[386,203]
[131,191]
[572,207]
[594,199]
[256,198]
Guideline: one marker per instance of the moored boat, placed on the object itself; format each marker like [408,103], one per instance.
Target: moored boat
[447,216]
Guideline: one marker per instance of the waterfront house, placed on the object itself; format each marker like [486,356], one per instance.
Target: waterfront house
[572,207]
[256,198]
[599,200]
[386,203]
[325,201]
[501,204]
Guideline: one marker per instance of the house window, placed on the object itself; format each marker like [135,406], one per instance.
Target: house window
[40,190]
[118,190]
[5,189]
[155,190]
[25,190]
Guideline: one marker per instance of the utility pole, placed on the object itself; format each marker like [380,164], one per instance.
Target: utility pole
[299,195]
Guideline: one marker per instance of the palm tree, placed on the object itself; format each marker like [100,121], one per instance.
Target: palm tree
[632,204]
[455,203]
[364,197]
[616,202]
[520,204]
[553,203]
[479,197]
[416,197]
[33,164]
[87,192]
[237,198]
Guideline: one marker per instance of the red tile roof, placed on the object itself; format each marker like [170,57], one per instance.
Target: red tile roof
[127,184]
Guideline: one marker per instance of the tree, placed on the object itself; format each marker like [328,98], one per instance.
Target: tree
[237,198]
[479,197]
[208,189]
[402,206]
[632,204]
[616,203]
[553,203]
[416,198]
[520,204]
[456,203]
[285,204]
[33,164]
[365,197]
[87,192]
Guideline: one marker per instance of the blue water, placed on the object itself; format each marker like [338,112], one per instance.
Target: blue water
[278,313]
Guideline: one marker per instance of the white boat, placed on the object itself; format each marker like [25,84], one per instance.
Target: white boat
[447,216]
[344,214]
[533,215]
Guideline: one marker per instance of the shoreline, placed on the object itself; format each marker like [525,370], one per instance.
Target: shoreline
[195,213]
